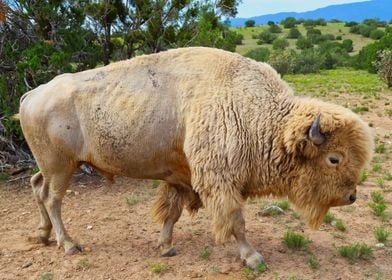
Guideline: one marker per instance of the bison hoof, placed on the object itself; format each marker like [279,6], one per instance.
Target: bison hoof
[75,249]
[170,252]
[254,261]
[38,240]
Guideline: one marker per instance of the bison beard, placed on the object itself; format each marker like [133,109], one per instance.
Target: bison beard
[215,126]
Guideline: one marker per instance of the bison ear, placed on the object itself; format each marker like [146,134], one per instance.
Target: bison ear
[303,137]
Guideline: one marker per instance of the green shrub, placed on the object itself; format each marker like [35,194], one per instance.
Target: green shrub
[383,65]
[308,61]
[259,54]
[275,28]
[347,44]
[376,34]
[304,43]
[267,37]
[280,44]
[293,33]
[282,61]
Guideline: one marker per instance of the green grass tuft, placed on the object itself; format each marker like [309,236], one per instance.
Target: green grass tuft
[377,197]
[328,218]
[283,204]
[295,241]
[378,209]
[205,253]
[46,276]
[4,176]
[313,262]
[364,175]
[380,148]
[340,225]
[355,252]
[381,234]
[159,268]
[251,274]
[377,167]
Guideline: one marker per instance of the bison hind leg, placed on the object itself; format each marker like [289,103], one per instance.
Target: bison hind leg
[167,210]
[40,191]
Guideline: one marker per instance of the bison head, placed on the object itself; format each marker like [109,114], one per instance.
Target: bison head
[328,147]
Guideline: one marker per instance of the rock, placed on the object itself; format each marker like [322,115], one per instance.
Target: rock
[271,211]
[89,227]
[333,223]
[380,245]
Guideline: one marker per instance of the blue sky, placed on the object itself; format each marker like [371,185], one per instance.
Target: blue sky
[249,8]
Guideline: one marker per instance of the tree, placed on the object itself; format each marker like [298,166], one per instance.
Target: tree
[348,45]
[383,65]
[289,22]
[105,13]
[273,28]
[250,23]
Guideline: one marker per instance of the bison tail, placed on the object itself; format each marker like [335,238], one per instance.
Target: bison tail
[169,204]
[16,117]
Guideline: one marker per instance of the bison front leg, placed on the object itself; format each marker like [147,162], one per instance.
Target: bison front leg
[167,210]
[226,210]
[248,254]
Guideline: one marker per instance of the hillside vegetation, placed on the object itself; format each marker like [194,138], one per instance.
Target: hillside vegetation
[249,41]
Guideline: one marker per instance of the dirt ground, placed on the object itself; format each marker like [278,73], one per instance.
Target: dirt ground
[113,224]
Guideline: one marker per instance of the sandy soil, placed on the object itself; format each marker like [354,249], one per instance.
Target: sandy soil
[120,239]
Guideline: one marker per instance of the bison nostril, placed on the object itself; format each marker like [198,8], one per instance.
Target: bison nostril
[352,198]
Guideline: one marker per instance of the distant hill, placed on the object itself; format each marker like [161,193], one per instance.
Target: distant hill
[380,9]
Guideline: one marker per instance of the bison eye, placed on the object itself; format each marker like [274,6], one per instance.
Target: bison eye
[333,159]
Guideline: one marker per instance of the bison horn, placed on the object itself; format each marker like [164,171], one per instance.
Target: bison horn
[314,132]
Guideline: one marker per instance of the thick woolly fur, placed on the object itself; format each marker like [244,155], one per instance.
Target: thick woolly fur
[216,126]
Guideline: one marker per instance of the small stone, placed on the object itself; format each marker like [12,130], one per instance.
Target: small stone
[27,264]
[225,269]
[194,274]
[89,227]
[333,223]
[380,245]
[271,211]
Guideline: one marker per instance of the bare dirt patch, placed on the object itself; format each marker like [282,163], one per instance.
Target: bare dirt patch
[120,239]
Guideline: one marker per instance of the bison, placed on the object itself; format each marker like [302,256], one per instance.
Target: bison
[216,127]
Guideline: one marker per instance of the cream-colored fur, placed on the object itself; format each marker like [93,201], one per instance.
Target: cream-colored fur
[216,126]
